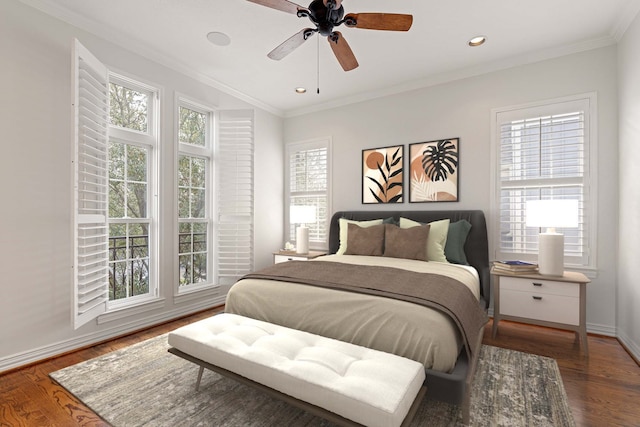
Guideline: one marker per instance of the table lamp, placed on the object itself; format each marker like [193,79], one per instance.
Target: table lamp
[302,215]
[550,214]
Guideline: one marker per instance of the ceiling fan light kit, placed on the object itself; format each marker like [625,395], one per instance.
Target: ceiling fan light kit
[326,15]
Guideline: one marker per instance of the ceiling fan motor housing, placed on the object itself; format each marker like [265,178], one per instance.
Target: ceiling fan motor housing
[325,16]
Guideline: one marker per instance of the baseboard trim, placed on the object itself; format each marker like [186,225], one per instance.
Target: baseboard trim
[630,347]
[20,360]
[597,329]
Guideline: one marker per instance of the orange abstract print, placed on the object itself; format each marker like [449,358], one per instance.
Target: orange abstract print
[382,175]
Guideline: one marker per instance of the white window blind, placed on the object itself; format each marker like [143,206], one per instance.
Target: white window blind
[308,184]
[235,199]
[543,154]
[90,95]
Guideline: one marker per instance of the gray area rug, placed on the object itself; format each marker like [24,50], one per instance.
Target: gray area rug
[144,385]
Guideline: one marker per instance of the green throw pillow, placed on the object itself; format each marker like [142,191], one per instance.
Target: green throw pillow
[456,238]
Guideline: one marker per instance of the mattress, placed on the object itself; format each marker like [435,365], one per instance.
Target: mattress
[398,327]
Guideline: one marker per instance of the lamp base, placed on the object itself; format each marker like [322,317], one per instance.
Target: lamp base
[551,254]
[302,240]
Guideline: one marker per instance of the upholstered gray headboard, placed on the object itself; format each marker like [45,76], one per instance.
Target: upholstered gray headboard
[476,247]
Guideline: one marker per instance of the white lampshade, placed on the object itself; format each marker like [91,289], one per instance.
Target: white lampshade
[551,214]
[302,215]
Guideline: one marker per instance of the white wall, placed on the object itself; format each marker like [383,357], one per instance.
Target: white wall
[629,218]
[35,184]
[463,109]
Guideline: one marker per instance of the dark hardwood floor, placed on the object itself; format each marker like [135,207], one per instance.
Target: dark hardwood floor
[603,389]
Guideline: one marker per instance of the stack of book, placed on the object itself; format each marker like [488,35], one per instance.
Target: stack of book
[515,267]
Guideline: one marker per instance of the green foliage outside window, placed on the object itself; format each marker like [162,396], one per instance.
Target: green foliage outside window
[128,108]
[192,127]
[129,252]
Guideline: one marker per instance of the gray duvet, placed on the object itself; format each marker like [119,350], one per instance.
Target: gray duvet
[399,327]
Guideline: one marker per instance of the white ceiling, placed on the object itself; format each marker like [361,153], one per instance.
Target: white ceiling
[173,32]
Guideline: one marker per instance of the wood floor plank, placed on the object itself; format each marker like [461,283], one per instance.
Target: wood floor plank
[603,389]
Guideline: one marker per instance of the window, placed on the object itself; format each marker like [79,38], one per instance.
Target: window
[132,145]
[115,156]
[117,198]
[307,181]
[543,152]
[194,198]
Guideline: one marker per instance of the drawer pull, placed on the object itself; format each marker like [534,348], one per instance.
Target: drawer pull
[537,284]
[537,298]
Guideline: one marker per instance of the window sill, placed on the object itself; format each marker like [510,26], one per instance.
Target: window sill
[131,310]
[197,293]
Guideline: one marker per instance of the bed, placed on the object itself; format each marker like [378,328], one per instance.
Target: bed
[407,327]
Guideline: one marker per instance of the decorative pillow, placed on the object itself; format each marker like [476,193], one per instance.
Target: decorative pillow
[437,237]
[409,243]
[365,240]
[344,231]
[456,238]
[391,220]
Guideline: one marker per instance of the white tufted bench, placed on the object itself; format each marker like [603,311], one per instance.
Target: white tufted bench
[345,383]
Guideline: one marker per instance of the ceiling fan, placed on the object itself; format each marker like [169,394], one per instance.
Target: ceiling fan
[328,14]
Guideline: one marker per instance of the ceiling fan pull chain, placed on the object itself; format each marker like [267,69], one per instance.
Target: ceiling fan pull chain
[318,66]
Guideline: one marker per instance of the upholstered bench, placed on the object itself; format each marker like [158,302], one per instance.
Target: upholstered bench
[342,382]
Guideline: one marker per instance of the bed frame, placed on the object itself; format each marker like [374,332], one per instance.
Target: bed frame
[454,387]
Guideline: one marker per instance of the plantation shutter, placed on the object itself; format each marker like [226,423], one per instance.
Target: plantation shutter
[543,157]
[90,95]
[235,199]
[308,184]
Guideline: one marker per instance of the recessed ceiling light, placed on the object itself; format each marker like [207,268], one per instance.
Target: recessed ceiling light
[301,90]
[219,39]
[477,41]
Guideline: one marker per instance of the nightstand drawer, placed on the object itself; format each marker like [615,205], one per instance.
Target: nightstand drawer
[284,258]
[540,286]
[540,306]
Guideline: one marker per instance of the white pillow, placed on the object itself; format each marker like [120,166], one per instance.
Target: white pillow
[436,240]
[344,230]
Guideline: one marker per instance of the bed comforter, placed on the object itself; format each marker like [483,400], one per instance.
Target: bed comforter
[404,328]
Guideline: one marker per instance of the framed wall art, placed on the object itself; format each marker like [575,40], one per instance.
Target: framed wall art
[383,175]
[433,169]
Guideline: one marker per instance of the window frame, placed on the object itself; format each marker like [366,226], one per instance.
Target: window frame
[207,153]
[291,149]
[148,140]
[539,109]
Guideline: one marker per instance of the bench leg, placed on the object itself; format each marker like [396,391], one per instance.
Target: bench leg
[199,377]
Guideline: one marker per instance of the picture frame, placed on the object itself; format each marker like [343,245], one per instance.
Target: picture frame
[433,170]
[383,175]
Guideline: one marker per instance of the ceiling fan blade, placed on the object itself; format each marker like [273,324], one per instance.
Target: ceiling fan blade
[342,51]
[290,44]
[379,21]
[283,5]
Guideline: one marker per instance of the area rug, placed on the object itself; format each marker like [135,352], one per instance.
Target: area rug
[144,385]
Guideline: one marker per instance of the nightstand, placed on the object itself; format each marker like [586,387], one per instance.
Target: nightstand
[283,256]
[553,301]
